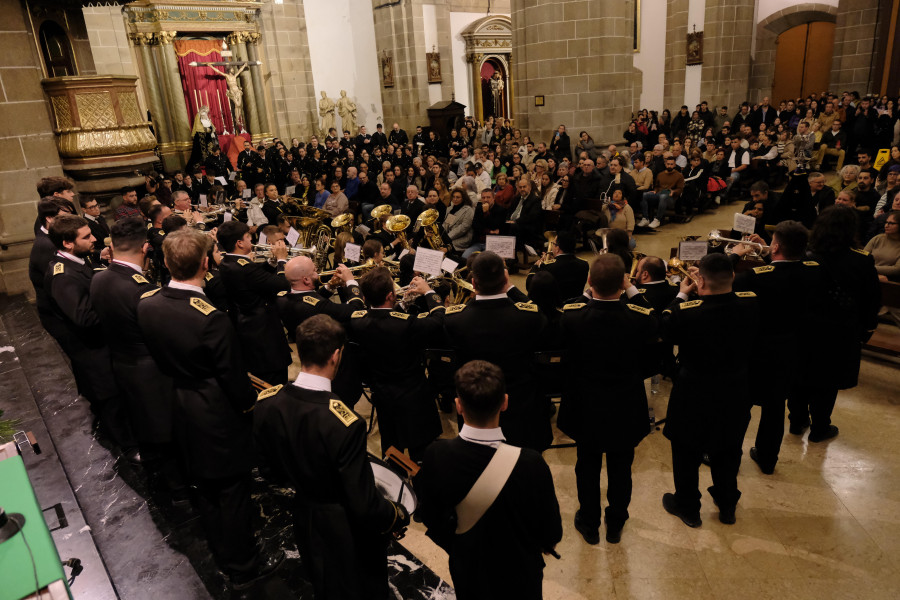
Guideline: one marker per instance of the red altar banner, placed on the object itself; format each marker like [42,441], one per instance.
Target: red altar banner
[201,85]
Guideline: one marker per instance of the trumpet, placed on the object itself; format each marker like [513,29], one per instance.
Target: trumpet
[366,265]
[716,239]
[265,250]
[678,267]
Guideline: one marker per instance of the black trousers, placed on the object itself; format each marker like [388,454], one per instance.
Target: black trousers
[725,460]
[226,512]
[770,432]
[812,404]
[587,479]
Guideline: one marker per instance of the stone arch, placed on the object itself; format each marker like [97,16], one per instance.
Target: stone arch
[487,38]
[798,14]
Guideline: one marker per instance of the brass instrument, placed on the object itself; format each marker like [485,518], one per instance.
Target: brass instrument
[716,239]
[369,264]
[342,223]
[678,267]
[382,210]
[397,225]
[548,258]
[636,257]
[265,250]
[428,220]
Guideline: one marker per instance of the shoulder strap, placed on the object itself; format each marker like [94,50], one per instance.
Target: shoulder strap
[486,488]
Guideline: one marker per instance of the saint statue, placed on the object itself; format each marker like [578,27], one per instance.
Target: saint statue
[234,93]
[497,93]
[204,137]
[347,109]
[326,111]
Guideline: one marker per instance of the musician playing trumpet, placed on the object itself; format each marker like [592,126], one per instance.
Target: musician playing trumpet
[569,271]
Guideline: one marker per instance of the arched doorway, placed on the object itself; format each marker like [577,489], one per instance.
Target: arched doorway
[56,50]
[803,60]
[494,88]
[489,53]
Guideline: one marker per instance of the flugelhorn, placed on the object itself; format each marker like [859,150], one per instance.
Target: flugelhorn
[677,267]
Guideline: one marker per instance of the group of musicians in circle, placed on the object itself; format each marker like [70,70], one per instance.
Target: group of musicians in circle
[179,325]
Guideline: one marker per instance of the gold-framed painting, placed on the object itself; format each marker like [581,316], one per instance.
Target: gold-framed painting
[433,62]
[695,48]
[387,70]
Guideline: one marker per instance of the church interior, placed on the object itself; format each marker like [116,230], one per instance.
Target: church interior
[111,94]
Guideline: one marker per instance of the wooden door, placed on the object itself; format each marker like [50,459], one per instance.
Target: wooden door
[803,61]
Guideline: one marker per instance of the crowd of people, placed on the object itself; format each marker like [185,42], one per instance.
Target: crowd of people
[172,322]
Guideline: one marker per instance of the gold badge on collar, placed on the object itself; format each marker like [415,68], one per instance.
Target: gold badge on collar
[58,268]
[208,276]
[765,269]
[358,314]
[574,306]
[640,309]
[745,294]
[399,315]
[810,263]
[139,278]
[202,306]
[455,308]
[341,411]
[691,304]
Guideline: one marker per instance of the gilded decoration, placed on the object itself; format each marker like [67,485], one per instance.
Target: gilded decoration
[128,104]
[62,112]
[95,110]
[189,15]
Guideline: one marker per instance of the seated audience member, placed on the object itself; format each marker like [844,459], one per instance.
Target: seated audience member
[846,179]
[619,215]
[669,186]
[885,249]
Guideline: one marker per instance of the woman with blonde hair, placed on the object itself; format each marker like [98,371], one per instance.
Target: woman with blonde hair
[440,186]
[340,244]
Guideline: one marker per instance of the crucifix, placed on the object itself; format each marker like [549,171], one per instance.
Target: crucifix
[234,93]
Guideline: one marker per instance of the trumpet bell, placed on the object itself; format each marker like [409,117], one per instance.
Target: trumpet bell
[427,217]
[397,223]
[382,210]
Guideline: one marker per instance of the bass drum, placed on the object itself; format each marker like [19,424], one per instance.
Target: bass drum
[393,486]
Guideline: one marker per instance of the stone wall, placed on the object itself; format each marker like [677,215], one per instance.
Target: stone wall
[676,54]
[292,106]
[854,46]
[109,42]
[577,55]
[726,54]
[27,145]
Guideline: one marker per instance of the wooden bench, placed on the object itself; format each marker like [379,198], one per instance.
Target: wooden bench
[886,339]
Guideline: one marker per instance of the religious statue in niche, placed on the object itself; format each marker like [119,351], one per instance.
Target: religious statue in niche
[695,47]
[234,93]
[387,70]
[204,137]
[326,111]
[497,93]
[433,60]
[347,109]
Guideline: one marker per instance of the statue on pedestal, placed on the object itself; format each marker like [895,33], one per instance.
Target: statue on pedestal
[204,137]
[497,93]
[326,111]
[347,109]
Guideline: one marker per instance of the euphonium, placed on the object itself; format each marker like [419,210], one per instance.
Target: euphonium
[397,225]
[548,258]
[635,259]
[428,220]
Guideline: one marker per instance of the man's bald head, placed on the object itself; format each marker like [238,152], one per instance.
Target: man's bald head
[301,273]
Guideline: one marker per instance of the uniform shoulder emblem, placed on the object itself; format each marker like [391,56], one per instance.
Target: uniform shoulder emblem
[340,410]
[765,269]
[745,294]
[527,306]
[149,225]
[810,263]
[858,251]
[455,308]
[150,293]
[58,268]
[243,262]
[642,290]
[271,391]
[574,306]
[358,314]
[139,278]
[209,276]
[202,306]
[282,293]
[99,268]
[640,309]
[399,315]
[690,304]
[311,300]
[162,233]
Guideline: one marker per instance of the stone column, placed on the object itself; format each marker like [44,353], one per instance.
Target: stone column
[144,41]
[579,57]
[676,54]
[179,113]
[725,79]
[475,61]
[237,41]
[252,47]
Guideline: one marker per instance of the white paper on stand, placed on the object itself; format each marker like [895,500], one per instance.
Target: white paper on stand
[449,265]
[503,246]
[692,251]
[203,201]
[351,252]
[292,237]
[428,261]
[744,223]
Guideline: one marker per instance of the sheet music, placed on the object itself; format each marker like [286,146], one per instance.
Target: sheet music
[744,223]
[428,261]
[246,193]
[292,236]
[449,265]
[289,190]
[351,252]
[502,245]
[226,216]
[203,201]
[262,238]
[221,180]
[689,251]
[232,175]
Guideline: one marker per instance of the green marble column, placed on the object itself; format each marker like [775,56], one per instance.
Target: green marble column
[237,41]
[258,89]
[177,106]
[151,85]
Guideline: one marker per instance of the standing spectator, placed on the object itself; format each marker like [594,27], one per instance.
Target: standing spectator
[561,145]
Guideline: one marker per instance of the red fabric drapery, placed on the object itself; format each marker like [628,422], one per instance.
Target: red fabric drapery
[201,85]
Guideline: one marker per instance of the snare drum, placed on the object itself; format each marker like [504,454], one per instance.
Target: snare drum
[393,486]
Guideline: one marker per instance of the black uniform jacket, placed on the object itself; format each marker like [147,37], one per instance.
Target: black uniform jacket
[252,290]
[660,356]
[318,445]
[42,252]
[604,404]
[500,557]
[569,271]
[506,334]
[397,377]
[115,293]
[710,401]
[194,343]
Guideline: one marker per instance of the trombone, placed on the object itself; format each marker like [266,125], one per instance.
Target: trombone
[265,250]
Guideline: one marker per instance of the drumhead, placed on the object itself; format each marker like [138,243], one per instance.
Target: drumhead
[393,487]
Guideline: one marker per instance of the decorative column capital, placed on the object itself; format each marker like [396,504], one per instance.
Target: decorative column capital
[166,37]
[253,37]
[238,37]
[142,39]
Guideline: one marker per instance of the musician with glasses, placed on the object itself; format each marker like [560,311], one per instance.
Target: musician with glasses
[313,441]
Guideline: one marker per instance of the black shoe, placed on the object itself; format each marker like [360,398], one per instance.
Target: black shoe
[726,515]
[244,579]
[798,428]
[613,533]
[133,456]
[821,436]
[590,535]
[754,456]
[671,506]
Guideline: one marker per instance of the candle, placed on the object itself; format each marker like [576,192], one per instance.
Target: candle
[196,102]
[221,114]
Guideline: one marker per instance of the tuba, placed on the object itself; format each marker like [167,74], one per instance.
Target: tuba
[427,220]
[397,225]
[635,259]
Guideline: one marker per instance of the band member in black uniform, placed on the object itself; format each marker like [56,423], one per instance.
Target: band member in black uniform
[252,289]
[501,555]
[709,408]
[407,415]
[494,328]
[76,326]
[310,438]
[304,301]
[273,207]
[790,291]
[610,418]
[98,225]
[218,163]
[148,394]
[569,271]
[195,344]
[251,165]
[853,299]
[42,252]
[155,235]
[650,279]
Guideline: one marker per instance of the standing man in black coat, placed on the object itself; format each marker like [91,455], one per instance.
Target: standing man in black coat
[42,252]
[98,225]
[500,556]
[561,145]
[397,136]
[252,290]
[148,393]
[526,219]
[494,328]
[570,272]
[312,440]
[195,345]
[709,408]
[610,418]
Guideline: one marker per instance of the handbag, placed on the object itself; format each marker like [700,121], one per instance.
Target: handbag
[715,184]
